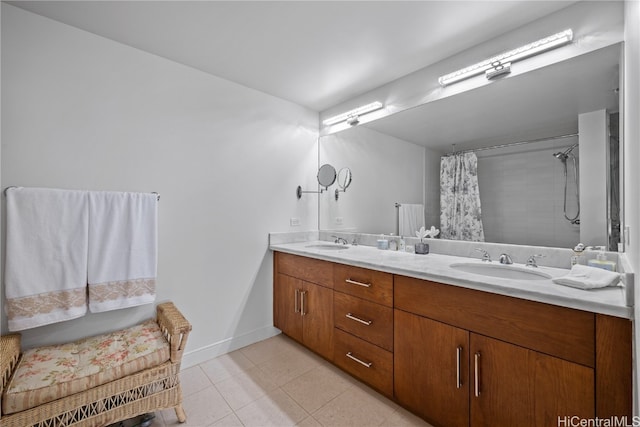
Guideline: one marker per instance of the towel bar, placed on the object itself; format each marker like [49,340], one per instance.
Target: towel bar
[13,186]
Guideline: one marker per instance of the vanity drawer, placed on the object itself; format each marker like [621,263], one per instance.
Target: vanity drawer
[367,320]
[368,284]
[307,269]
[558,331]
[365,361]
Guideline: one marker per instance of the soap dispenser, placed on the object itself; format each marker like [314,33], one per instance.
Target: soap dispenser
[601,261]
[402,245]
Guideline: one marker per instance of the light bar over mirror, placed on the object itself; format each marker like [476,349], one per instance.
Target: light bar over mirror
[500,64]
[352,115]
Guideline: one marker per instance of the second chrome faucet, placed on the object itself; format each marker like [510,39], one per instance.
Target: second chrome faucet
[504,258]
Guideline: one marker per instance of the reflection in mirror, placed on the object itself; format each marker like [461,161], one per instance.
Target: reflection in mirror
[344,180]
[515,127]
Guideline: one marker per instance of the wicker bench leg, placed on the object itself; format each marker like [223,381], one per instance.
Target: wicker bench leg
[182,417]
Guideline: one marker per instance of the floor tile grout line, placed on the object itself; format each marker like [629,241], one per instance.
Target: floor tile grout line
[295,352]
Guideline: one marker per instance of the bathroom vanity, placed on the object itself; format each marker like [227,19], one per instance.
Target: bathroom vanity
[457,348]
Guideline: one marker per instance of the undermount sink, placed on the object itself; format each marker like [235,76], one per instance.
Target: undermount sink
[328,247]
[501,270]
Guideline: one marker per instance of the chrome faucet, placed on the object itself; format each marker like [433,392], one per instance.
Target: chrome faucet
[340,240]
[505,259]
[485,255]
[531,262]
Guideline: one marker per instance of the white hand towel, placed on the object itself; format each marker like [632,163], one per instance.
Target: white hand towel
[585,277]
[46,256]
[411,218]
[122,250]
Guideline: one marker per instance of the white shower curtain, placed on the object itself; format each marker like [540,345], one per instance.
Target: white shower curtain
[460,212]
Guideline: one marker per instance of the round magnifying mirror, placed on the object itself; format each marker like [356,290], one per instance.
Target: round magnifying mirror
[326,175]
[344,178]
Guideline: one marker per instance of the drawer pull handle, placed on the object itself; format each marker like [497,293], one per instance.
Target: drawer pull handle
[365,364]
[357,319]
[353,282]
[458,357]
[477,374]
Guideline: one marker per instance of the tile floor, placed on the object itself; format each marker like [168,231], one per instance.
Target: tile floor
[277,382]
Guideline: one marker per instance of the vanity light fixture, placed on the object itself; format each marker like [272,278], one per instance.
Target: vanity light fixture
[351,116]
[501,64]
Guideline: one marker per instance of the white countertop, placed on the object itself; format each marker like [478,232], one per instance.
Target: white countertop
[436,267]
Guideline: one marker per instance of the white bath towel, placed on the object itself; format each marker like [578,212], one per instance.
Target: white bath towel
[123,245]
[585,277]
[46,256]
[411,218]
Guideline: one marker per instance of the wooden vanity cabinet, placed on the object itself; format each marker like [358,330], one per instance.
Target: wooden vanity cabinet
[302,309]
[481,381]
[363,317]
[431,369]
[470,358]
[457,356]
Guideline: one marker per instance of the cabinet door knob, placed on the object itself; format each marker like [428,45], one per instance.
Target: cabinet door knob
[357,319]
[365,364]
[354,282]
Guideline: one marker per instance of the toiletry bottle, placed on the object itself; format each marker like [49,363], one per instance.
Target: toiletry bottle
[393,244]
[601,261]
[402,246]
[577,254]
[382,243]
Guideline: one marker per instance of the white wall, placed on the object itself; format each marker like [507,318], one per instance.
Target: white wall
[594,141]
[83,112]
[432,187]
[631,162]
[522,195]
[385,170]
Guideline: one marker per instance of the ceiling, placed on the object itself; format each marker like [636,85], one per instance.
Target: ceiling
[314,53]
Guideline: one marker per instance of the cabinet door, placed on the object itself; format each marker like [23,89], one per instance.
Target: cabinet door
[512,385]
[431,369]
[317,319]
[286,307]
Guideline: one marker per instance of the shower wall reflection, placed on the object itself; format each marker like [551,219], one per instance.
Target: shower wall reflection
[522,194]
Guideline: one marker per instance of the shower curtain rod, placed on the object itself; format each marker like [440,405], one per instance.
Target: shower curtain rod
[510,144]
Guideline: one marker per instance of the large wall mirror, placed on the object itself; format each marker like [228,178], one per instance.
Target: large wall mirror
[547,149]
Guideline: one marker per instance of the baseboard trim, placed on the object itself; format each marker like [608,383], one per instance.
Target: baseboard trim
[197,356]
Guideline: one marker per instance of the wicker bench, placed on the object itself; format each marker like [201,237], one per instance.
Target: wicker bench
[156,386]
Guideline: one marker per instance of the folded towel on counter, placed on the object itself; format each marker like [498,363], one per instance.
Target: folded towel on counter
[410,218]
[123,240]
[585,277]
[46,256]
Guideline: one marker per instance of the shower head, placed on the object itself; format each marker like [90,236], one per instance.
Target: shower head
[565,154]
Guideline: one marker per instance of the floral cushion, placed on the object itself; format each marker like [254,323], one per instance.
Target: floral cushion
[48,373]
